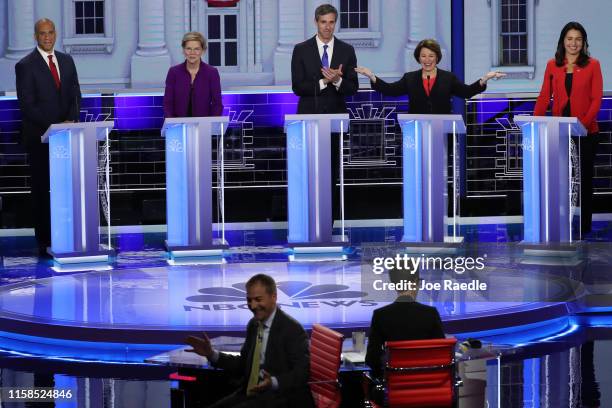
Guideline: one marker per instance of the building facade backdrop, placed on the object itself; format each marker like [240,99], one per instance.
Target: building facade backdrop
[131,43]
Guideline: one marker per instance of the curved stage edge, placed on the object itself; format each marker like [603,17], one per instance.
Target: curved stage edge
[124,316]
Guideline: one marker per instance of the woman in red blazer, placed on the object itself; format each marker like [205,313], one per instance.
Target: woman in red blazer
[574,79]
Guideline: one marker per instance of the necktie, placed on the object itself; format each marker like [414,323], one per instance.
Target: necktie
[54,72]
[254,376]
[325,58]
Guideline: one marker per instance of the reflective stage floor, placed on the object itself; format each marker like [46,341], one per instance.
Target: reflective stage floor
[86,324]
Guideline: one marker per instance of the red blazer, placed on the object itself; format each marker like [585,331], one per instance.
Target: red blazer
[587,92]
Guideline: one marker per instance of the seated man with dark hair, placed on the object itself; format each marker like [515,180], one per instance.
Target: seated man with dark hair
[404,319]
[274,360]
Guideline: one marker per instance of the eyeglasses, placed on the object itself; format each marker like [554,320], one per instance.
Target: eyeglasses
[190,50]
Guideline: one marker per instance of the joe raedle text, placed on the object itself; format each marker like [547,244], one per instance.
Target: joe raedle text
[446,285]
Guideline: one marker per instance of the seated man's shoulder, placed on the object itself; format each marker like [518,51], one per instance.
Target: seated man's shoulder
[288,321]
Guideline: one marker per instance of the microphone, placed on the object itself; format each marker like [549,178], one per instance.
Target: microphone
[316,94]
[551,84]
[429,95]
[77,108]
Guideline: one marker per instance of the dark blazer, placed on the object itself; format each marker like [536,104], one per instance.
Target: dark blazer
[587,92]
[439,99]
[287,359]
[206,92]
[306,73]
[40,102]
[403,319]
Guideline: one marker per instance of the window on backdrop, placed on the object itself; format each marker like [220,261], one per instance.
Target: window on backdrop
[223,39]
[513,32]
[89,17]
[354,14]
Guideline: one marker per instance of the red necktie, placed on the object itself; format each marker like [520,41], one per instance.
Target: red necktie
[54,71]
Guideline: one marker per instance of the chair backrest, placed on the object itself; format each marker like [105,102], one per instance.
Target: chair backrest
[325,351]
[420,373]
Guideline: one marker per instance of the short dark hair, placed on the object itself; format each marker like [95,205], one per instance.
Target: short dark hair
[397,275]
[42,21]
[264,280]
[583,57]
[430,44]
[324,9]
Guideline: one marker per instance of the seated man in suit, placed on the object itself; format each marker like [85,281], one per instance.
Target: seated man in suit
[274,361]
[404,319]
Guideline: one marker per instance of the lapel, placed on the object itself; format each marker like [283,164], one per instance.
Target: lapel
[336,55]
[420,86]
[44,69]
[272,335]
[314,50]
[439,76]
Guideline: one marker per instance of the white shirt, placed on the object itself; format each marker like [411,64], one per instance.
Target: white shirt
[330,53]
[45,56]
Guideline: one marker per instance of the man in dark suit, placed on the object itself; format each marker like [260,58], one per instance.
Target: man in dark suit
[274,361]
[323,68]
[404,319]
[323,76]
[48,92]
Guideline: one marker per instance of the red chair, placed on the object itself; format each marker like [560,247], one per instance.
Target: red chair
[420,373]
[325,351]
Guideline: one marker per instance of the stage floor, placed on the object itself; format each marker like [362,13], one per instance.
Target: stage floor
[146,304]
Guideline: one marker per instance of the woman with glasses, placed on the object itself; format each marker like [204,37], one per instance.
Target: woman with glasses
[193,88]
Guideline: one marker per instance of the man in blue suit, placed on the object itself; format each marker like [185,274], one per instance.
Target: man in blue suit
[48,92]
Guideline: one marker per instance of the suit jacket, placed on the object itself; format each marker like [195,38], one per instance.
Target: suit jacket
[40,102]
[587,92]
[206,99]
[306,73]
[403,319]
[287,359]
[439,99]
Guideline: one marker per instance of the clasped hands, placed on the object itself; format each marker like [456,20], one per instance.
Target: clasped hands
[331,75]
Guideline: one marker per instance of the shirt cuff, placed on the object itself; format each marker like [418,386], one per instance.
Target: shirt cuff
[337,84]
[274,383]
[322,85]
[215,357]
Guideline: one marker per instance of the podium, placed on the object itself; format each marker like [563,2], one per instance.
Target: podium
[189,186]
[425,196]
[309,183]
[73,170]
[549,196]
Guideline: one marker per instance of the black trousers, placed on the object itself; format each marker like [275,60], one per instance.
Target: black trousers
[41,199]
[239,399]
[587,146]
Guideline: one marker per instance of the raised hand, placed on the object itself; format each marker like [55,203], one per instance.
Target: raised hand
[201,345]
[366,72]
[492,75]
